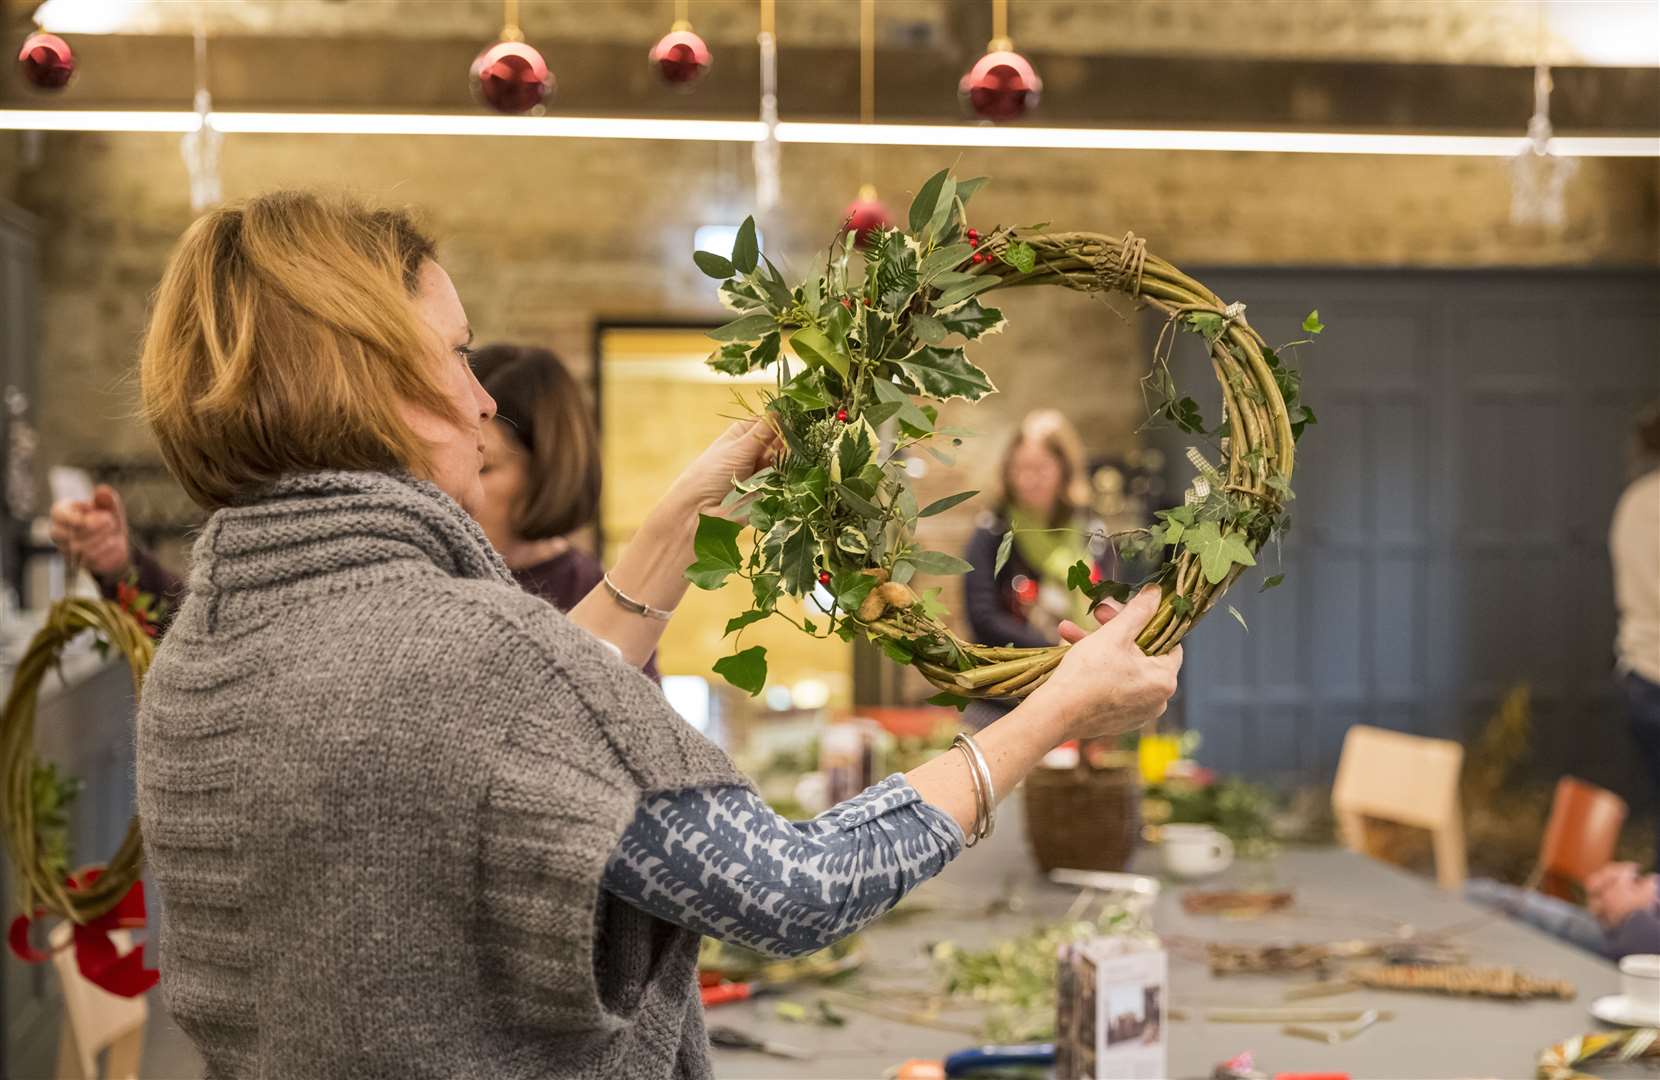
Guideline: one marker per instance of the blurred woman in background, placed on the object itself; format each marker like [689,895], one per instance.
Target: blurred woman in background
[1043,496]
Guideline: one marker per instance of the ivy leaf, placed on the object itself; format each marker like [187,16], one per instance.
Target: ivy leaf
[1302,418]
[813,346]
[1181,605]
[937,562]
[1118,590]
[928,329]
[851,588]
[748,618]
[956,294]
[745,251]
[943,259]
[1312,324]
[713,265]
[1217,552]
[1004,550]
[1269,583]
[1079,577]
[744,327]
[945,374]
[716,547]
[927,201]
[946,698]
[940,506]
[1240,618]
[1207,323]
[746,670]
[973,321]
[1020,256]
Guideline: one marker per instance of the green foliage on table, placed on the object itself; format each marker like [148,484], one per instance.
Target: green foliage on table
[1238,809]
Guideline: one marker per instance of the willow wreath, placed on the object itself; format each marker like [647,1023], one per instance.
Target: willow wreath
[874,344]
[33,796]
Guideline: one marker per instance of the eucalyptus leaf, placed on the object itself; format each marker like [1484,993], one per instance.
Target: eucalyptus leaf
[1004,550]
[745,250]
[908,413]
[713,265]
[927,200]
[967,188]
[943,259]
[940,506]
[857,503]
[744,328]
[937,562]
[956,294]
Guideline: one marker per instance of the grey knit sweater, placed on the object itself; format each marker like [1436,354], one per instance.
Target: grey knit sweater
[379,785]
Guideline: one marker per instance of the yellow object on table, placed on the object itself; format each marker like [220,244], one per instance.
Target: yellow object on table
[1155,754]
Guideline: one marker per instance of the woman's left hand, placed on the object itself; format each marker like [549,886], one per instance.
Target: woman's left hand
[742,450]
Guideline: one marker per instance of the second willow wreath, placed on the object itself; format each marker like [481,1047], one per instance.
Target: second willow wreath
[874,343]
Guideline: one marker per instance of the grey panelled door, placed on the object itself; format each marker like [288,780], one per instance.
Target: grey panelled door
[1449,534]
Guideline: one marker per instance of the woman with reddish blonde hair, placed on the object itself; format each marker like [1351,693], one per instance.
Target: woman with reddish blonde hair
[405,819]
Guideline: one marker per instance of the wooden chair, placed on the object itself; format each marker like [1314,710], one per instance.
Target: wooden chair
[1390,776]
[95,1019]
[1580,836]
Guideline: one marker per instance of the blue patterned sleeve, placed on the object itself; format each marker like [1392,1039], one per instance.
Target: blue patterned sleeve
[722,863]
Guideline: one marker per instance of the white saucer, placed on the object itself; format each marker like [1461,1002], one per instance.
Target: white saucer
[1617,1009]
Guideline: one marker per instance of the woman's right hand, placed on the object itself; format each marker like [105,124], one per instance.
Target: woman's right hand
[1105,685]
[93,533]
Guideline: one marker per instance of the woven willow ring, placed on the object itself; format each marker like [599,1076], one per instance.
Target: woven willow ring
[872,344]
[42,884]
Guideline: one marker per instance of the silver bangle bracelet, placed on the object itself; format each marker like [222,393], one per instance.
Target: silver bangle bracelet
[971,835]
[982,785]
[629,604]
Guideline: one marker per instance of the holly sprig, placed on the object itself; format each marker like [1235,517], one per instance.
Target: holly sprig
[877,335]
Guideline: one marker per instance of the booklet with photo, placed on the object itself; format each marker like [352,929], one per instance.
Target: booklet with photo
[1111,1003]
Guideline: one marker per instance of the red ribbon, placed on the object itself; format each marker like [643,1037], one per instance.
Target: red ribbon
[96,955]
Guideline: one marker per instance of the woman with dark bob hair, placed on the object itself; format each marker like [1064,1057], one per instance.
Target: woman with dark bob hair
[404,818]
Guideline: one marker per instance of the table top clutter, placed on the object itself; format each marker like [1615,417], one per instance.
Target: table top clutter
[996,893]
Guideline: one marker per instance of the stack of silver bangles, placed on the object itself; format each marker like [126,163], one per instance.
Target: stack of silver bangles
[985,799]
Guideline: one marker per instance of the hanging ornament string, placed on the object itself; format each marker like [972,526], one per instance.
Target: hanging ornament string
[510,21]
[200,148]
[766,153]
[866,216]
[1000,26]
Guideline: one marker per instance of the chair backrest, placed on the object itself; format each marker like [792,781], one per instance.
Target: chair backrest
[1409,779]
[1580,836]
[95,1018]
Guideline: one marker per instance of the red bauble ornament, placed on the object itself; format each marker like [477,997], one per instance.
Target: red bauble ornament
[1001,86]
[866,217]
[512,77]
[46,61]
[681,57]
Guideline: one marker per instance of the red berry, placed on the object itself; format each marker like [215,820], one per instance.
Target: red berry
[841,414]
[974,241]
[973,235]
[846,303]
[978,258]
[824,577]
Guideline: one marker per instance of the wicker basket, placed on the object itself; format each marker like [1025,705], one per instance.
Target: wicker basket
[1084,818]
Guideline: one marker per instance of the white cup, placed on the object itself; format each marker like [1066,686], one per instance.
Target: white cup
[1640,983]
[1192,851]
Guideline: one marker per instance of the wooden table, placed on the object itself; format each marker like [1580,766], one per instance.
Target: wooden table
[1339,896]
